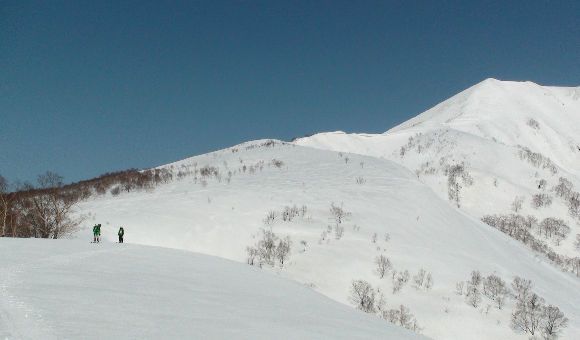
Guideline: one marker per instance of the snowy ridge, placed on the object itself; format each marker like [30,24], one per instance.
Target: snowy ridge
[425,232]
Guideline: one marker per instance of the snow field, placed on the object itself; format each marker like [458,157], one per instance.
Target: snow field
[71,289]
[425,232]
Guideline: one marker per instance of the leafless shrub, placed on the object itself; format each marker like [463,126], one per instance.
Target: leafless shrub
[574,204]
[541,200]
[383,264]
[473,295]
[402,317]
[283,250]
[303,210]
[270,217]
[338,231]
[553,228]
[577,242]
[338,214]
[362,295]
[533,124]
[537,160]
[252,253]
[277,163]
[360,180]
[495,288]
[517,203]
[564,188]
[374,238]
[115,191]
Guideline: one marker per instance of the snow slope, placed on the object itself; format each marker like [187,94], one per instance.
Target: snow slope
[425,232]
[487,128]
[71,289]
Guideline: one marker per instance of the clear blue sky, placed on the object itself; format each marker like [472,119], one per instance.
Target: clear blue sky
[88,87]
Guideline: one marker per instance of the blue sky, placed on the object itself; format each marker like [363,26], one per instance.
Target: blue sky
[88,87]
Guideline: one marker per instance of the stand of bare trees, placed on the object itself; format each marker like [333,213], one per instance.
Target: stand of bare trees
[43,211]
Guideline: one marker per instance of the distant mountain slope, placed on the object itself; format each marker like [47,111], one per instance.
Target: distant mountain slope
[63,289]
[217,203]
[514,140]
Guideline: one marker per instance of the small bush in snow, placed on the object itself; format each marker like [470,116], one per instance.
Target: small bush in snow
[115,191]
[533,124]
[402,317]
[577,242]
[338,214]
[277,163]
[374,238]
[360,180]
[338,231]
[517,203]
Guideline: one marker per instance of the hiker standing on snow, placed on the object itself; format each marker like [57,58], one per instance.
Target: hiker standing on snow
[121,233]
[97,233]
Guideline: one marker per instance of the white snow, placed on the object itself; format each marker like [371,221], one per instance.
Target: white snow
[71,289]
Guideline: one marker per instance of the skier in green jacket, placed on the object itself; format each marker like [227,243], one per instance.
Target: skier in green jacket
[121,233]
[97,233]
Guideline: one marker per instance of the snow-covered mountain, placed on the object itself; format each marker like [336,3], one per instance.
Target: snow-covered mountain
[393,213]
[70,289]
[503,138]
[514,139]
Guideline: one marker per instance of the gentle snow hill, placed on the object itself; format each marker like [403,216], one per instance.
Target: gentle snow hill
[69,289]
[222,214]
[487,128]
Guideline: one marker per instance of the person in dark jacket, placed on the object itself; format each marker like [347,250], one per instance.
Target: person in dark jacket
[121,233]
[97,233]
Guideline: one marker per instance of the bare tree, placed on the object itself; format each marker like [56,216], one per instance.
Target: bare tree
[473,295]
[495,288]
[564,188]
[577,242]
[522,288]
[267,247]
[362,295]
[383,264]
[49,207]
[419,279]
[252,254]
[528,315]
[553,321]
[283,251]
[5,200]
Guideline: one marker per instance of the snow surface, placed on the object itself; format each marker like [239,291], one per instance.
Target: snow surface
[72,289]
[425,231]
